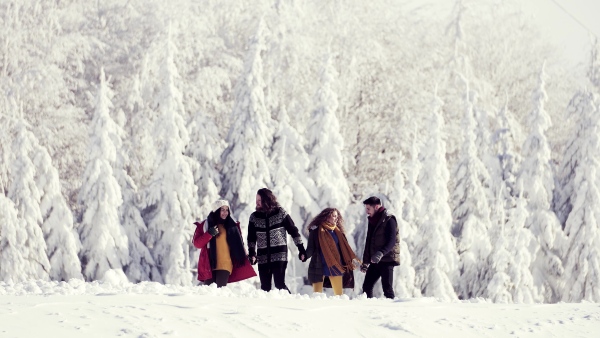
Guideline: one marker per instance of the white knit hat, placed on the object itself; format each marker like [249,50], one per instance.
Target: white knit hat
[218,204]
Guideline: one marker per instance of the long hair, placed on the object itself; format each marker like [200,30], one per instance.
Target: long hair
[234,238]
[323,217]
[268,200]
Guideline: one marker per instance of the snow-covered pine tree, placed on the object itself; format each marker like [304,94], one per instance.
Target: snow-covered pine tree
[103,239]
[245,164]
[294,189]
[139,129]
[404,275]
[13,263]
[62,240]
[573,155]
[26,196]
[171,203]
[435,258]
[325,146]
[205,147]
[471,213]
[483,144]
[536,179]
[141,265]
[508,157]
[413,202]
[5,154]
[509,279]
[582,256]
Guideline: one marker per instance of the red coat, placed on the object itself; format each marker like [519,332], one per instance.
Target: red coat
[201,240]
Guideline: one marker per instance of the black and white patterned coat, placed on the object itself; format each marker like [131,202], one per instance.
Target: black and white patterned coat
[267,234]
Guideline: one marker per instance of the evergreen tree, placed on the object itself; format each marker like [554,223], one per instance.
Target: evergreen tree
[404,275]
[582,256]
[509,279]
[61,238]
[471,213]
[435,258]
[508,157]
[326,146]
[294,189]
[5,154]
[411,210]
[574,155]
[141,265]
[26,196]
[103,239]
[537,180]
[171,197]
[139,129]
[245,164]
[13,261]
[205,148]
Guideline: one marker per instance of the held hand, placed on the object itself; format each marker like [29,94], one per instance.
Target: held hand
[252,259]
[213,231]
[301,253]
[364,267]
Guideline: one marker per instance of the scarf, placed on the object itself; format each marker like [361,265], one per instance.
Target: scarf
[234,241]
[330,251]
[376,217]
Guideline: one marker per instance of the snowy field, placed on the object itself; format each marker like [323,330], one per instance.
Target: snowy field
[113,309]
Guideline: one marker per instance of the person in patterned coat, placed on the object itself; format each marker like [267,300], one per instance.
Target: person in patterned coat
[267,240]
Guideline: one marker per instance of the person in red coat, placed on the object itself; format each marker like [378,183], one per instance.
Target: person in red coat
[223,258]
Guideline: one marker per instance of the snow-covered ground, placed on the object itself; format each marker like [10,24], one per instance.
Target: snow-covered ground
[111,308]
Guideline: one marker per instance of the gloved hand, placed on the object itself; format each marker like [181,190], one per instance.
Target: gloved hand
[376,257]
[213,231]
[301,253]
[252,257]
[364,267]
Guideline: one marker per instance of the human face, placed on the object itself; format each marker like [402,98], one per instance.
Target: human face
[371,209]
[258,202]
[224,212]
[333,217]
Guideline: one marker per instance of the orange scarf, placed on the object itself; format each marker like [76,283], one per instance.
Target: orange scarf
[330,251]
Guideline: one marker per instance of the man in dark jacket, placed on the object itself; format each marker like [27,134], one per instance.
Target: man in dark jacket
[382,248]
[267,231]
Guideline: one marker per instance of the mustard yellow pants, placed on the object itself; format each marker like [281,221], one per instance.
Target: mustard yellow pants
[336,285]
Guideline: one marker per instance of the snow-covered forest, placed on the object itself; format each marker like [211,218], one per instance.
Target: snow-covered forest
[123,120]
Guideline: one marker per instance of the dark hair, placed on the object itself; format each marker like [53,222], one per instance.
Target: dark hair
[214,217]
[372,201]
[323,216]
[234,239]
[268,200]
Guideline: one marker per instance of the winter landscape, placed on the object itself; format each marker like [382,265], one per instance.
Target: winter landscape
[475,122]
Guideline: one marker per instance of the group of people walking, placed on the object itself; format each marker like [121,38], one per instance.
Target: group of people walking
[223,258]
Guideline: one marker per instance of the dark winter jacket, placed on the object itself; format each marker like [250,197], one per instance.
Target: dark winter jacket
[383,236]
[268,234]
[315,267]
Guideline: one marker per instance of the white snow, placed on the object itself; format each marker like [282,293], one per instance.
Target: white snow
[149,309]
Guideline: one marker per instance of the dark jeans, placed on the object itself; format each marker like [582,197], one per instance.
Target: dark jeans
[275,270]
[220,277]
[385,271]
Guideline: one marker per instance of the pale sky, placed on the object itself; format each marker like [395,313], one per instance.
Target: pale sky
[564,29]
